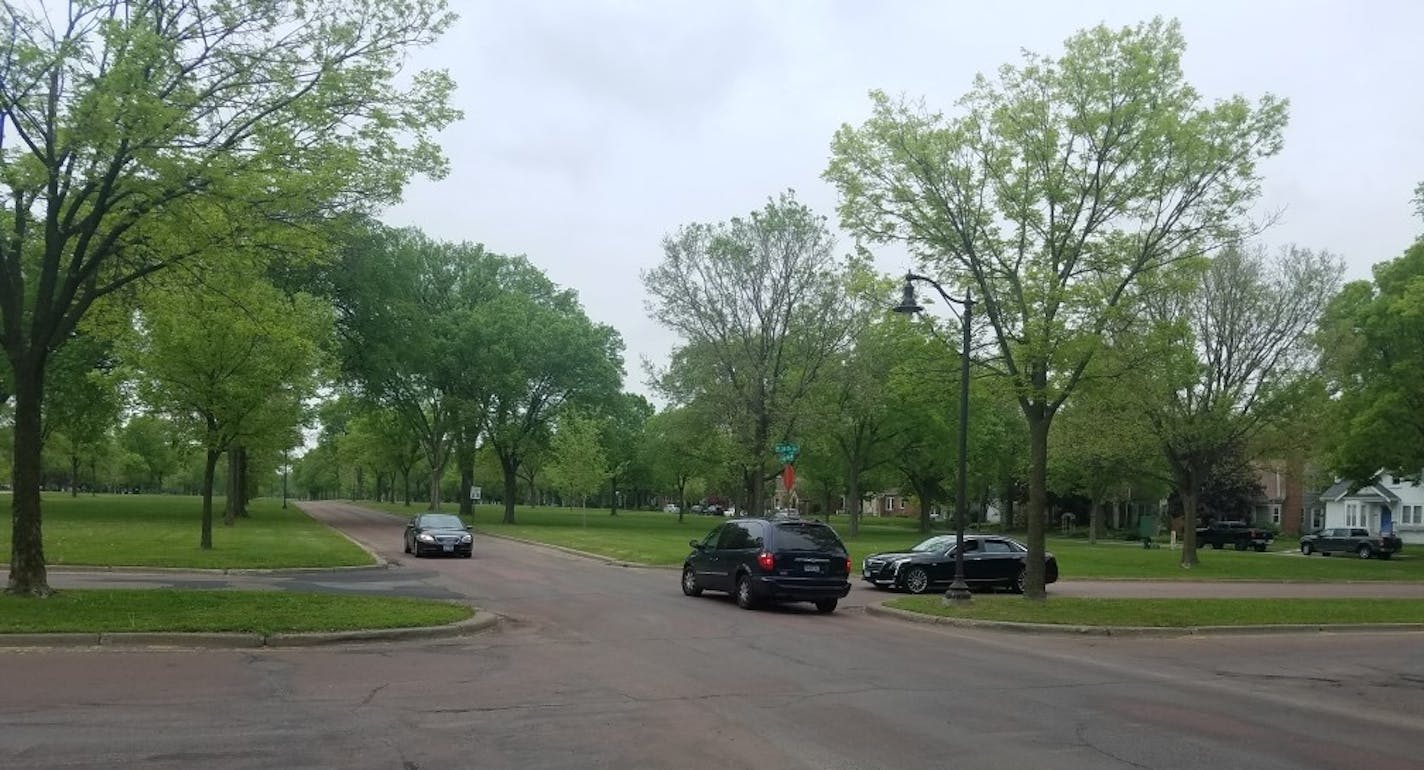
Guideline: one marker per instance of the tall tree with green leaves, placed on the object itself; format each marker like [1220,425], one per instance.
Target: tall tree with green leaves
[235,359]
[579,465]
[135,136]
[1371,341]
[761,304]
[1231,357]
[1058,189]
[545,353]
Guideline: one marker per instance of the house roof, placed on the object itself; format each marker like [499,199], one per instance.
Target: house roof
[1371,491]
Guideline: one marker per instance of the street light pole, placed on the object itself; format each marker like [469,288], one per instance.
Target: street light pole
[958,589]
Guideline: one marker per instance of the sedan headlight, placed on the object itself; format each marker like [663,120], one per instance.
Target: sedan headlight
[466,539]
[425,537]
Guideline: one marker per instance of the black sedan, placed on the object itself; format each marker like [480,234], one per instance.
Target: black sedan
[438,533]
[989,560]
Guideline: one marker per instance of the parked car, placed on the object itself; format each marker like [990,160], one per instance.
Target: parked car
[670,508]
[438,533]
[1354,540]
[758,560]
[1237,534]
[989,560]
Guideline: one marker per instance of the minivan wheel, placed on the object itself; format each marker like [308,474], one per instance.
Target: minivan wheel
[1306,549]
[745,600]
[689,582]
[916,580]
[826,605]
[1365,552]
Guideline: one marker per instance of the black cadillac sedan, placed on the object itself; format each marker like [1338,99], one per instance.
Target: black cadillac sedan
[989,560]
[438,533]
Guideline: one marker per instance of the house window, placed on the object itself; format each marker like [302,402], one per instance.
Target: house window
[1350,515]
[1275,514]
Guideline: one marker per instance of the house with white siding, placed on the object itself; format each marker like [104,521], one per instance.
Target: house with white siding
[1386,504]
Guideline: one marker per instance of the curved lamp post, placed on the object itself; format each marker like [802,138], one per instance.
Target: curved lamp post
[958,590]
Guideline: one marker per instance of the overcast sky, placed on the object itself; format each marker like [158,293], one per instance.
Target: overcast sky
[593,129]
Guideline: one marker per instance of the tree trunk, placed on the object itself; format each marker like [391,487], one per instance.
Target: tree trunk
[612,495]
[467,481]
[230,501]
[1188,482]
[205,542]
[405,479]
[1095,519]
[74,475]
[510,466]
[27,562]
[1038,425]
[853,492]
[681,497]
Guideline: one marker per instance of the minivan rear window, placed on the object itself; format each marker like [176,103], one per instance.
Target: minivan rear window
[807,537]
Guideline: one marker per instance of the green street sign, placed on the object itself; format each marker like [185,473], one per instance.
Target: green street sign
[787,451]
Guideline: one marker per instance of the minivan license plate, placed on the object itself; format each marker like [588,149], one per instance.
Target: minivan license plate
[813,568]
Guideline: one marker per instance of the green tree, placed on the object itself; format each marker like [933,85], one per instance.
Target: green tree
[156,441]
[235,359]
[1232,359]
[1062,186]
[761,305]
[86,399]
[579,466]
[570,360]
[622,427]
[682,449]
[1371,340]
[140,135]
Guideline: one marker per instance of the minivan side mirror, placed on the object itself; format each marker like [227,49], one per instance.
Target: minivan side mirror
[695,544]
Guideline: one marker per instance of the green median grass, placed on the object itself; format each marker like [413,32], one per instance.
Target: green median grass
[656,538]
[1172,613]
[164,530]
[187,611]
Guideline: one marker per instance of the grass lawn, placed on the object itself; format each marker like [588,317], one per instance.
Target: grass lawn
[265,612]
[651,537]
[163,531]
[1173,613]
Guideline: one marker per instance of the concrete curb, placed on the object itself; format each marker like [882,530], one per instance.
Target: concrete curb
[1133,631]
[481,621]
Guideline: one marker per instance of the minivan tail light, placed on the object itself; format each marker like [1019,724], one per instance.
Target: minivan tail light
[767,561]
[848,568]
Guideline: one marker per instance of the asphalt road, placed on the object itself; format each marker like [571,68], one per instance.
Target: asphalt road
[605,666]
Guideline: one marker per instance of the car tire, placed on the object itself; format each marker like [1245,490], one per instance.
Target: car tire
[1018,585]
[1306,549]
[1364,552]
[406,543]
[826,605]
[743,593]
[916,581]
[1260,549]
[469,555]
[689,583]
[1386,554]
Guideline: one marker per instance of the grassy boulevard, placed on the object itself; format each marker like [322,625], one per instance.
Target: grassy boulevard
[162,531]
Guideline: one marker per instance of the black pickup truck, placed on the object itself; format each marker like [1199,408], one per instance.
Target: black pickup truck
[1350,540]
[1238,535]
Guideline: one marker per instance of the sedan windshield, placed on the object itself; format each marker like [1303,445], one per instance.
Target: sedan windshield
[937,543]
[441,521]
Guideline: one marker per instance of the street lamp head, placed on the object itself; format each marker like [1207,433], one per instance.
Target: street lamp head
[908,305]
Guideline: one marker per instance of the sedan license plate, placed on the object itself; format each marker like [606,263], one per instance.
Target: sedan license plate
[813,569]
[449,548]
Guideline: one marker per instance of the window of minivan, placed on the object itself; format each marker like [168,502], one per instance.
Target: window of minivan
[807,537]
